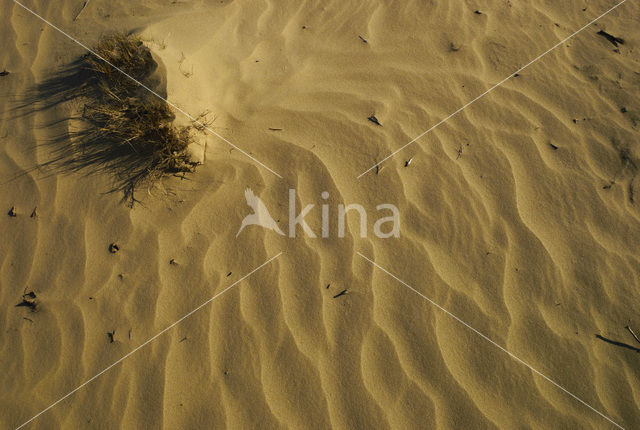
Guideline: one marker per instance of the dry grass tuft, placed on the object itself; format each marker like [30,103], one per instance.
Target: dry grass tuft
[134,123]
[122,129]
[126,52]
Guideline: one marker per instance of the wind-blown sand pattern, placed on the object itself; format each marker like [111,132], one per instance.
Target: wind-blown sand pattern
[520,215]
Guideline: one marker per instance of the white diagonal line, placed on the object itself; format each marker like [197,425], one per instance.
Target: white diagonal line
[194,120]
[491,341]
[460,109]
[147,342]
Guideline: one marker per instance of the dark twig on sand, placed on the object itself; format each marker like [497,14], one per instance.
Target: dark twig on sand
[341,293]
[374,120]
[611,38]
[377,166]
[615,342]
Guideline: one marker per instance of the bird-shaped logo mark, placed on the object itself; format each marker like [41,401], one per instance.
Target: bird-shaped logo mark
[260,215]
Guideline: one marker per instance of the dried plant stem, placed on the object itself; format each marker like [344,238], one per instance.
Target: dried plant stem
[81,9]
[633,334]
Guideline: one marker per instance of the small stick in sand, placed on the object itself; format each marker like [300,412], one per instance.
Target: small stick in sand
[633,334]
[374,120]
[81,9]
[611,38]
[341,293]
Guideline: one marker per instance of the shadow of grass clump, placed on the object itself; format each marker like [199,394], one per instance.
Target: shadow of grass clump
[123,129]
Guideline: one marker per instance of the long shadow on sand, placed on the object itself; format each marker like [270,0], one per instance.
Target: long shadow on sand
[79,142]
[615,342]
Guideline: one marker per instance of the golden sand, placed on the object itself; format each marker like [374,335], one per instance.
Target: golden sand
[519,215]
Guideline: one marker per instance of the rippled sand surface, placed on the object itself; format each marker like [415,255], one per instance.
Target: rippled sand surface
[520,216]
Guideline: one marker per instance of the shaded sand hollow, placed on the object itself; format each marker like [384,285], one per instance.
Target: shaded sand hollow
[520,215]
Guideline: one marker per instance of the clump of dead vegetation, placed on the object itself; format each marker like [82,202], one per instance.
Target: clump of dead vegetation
[120,53]
[129,127]
[117,126]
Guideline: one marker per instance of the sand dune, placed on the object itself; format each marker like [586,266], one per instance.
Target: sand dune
[519,215]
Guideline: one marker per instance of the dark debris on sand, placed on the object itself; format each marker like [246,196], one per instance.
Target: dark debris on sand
[374,120]
[29,301]
[611,38]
